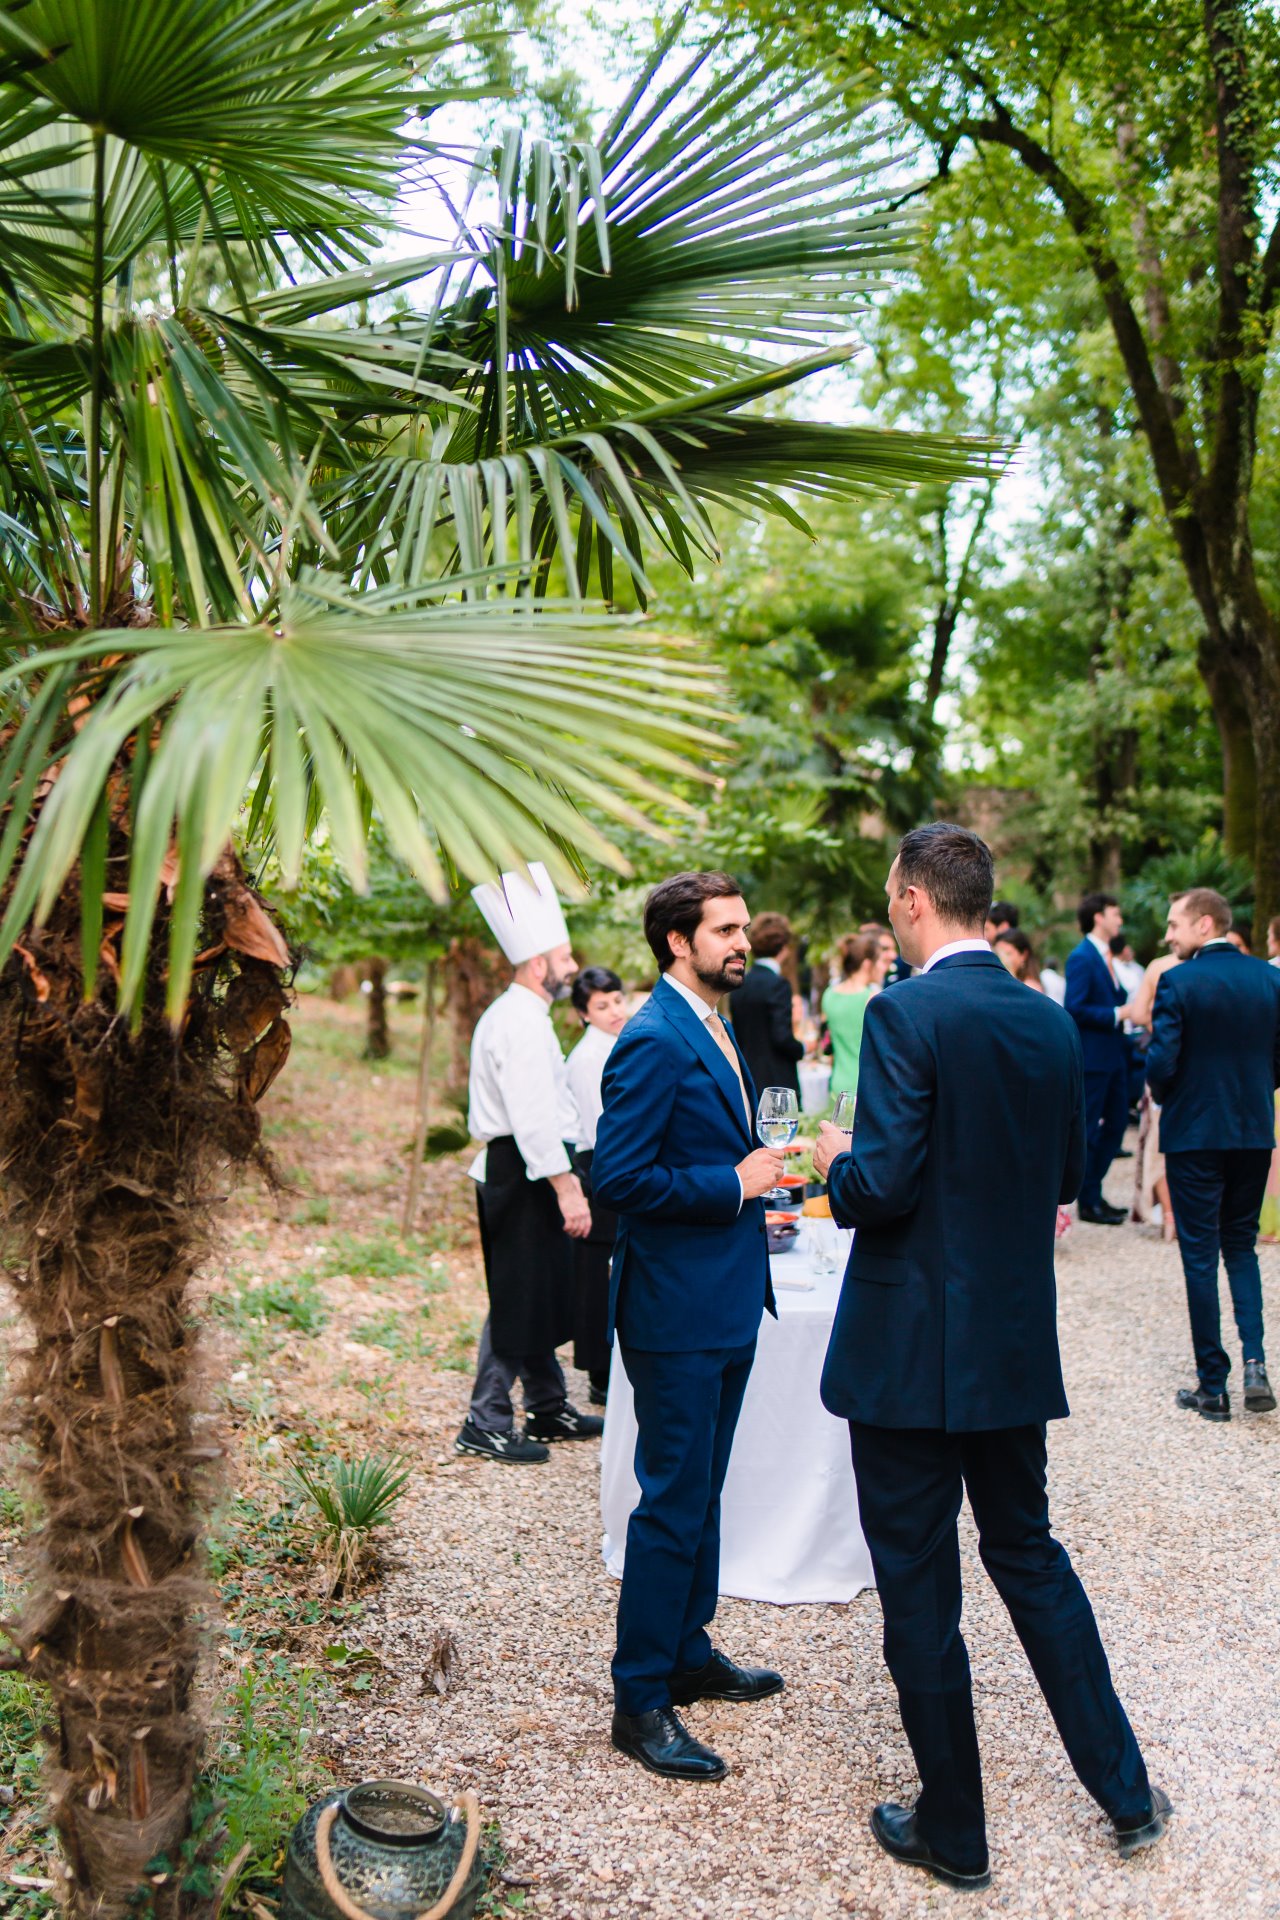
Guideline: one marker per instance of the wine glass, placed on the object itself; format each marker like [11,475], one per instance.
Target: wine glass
[843,1112]
[778,1116]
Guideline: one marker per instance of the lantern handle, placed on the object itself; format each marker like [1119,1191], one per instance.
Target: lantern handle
[469,1806]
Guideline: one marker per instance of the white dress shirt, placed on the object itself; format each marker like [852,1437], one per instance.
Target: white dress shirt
[1104,948]
[704,1013]
[955,946]
[518,1084]
[583,1073]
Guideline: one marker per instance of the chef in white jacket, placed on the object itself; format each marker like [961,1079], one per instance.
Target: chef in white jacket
[530,1200]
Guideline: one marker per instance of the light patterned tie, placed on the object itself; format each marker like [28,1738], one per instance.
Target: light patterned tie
[720,1034]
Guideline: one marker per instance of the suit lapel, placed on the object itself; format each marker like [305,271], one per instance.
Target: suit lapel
[687,1024]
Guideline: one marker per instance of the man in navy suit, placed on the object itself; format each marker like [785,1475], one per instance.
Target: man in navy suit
[676,1160]
[969,1133]
[1214,1065]
[1098,1003]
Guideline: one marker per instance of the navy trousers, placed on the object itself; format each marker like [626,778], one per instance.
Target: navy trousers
[909,1492]
[687,1407]
[1217,1198]
[1106,1109]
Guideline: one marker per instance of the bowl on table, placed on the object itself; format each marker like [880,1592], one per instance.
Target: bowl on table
[782,1230]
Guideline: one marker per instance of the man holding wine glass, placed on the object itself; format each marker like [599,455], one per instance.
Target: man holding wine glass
[676,1160]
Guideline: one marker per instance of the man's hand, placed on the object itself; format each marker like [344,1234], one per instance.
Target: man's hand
[1129,1011]
[831,1141]
[573,1205]
[760,1171]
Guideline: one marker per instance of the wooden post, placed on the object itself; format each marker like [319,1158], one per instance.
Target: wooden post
[422,1107]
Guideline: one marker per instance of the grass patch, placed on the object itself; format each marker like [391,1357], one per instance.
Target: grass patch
[298,1302]
[385,1256]
[402,1336]
[459,1356]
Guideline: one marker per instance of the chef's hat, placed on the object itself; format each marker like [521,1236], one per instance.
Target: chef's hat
[524,919]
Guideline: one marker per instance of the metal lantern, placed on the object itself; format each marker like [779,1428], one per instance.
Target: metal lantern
[385,1850]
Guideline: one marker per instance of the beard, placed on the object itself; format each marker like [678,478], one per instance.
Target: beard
[726,978]
[556,984]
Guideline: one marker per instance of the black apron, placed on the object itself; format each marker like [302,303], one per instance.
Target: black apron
[591,1258]
[528,1257]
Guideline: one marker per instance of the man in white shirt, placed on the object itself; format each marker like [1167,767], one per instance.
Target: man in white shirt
[530,1200]
[1097,1002]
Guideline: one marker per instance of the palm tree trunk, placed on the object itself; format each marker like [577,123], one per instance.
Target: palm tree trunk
[377,1044]
[109,1141]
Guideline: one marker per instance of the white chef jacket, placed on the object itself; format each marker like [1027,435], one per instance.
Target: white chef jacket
[518,1084]
[583,1072]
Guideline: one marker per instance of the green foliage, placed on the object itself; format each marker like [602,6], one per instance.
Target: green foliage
[351,1498]
[397,1333]
[296,1301]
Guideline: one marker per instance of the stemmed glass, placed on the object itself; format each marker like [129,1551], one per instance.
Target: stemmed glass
[843,1112]
[778,1116]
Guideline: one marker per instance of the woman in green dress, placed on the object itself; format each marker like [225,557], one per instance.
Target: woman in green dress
[844,1006]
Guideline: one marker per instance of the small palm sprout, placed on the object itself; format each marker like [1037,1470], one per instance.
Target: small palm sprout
[351,1498]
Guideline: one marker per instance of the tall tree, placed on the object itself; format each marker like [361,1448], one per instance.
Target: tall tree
[1148,128]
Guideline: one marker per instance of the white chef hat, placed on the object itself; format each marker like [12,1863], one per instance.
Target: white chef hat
[524,919]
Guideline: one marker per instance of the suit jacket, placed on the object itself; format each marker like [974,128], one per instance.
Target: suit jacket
[1214,1059]
[969,1135]
[691,1261]
[1091,999]
[761,1012]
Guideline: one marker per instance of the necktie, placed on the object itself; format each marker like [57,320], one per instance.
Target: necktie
[719,1033]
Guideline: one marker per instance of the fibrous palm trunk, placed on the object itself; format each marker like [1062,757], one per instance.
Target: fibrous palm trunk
[377,1045]
[108,1141]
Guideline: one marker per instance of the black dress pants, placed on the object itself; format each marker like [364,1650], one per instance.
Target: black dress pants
[910,1484]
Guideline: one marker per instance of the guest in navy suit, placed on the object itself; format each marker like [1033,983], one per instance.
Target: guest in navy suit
[676,1160]
[969,1133]
[1214,1065]
[1098,1004]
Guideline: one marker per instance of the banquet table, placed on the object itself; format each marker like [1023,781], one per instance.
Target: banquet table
[789,1513]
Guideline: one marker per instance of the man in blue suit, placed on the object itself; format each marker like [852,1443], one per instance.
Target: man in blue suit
[676,1160]
[1214,1065]
[1097,1002]
[969,1134]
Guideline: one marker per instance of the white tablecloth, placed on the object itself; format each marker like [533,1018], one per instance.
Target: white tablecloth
[789,1514]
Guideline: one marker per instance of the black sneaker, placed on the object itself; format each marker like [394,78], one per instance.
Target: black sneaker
[1258,1397]
[566,1423]
[512,1446]
[1210,1406]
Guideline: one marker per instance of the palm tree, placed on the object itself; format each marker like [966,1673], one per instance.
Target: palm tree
[278,519]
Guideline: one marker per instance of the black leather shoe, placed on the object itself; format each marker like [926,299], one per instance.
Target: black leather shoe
[1210,1406]
[1133,1835]
[1104,1216]
[720,1679]
[1258,1397]
[659,1741]
[896,1830]
[566,1423]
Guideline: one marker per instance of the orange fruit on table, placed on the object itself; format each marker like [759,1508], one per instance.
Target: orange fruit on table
[818,1208]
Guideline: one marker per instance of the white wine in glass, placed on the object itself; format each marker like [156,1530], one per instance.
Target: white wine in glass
[778,1116]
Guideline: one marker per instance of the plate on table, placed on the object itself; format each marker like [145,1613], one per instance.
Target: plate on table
[783,1230]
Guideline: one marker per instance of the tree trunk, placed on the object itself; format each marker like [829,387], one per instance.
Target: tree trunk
[1239,769]
[109,1141]
[377,1044]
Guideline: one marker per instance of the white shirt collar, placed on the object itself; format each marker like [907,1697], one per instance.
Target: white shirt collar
[1220,941]
[771,964]
[687,994]
[954,946]
[1103,945]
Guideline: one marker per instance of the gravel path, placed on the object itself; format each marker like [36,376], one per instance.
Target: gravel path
[1171,1522]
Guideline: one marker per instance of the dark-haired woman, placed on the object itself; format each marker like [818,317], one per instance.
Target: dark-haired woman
[865,959]
[598,997]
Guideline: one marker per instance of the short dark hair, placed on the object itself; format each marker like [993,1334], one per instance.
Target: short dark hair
[593,980]
[1004,913]
[1091,905]
[1117,943]
[1013,937]
[769,933]
[1204,902]
[855,950]
[953,866]
[675,906]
